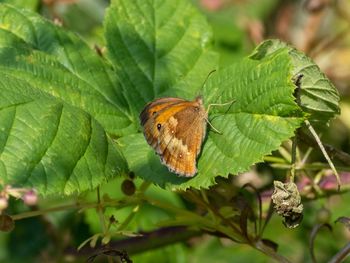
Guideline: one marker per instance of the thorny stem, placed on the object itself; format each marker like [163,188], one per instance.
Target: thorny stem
[325,154]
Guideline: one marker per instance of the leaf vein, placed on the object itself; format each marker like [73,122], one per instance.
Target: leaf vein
[83,152]
[29,173]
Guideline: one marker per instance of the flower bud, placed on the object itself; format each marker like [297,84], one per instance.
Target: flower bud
[30,198]
[3,203]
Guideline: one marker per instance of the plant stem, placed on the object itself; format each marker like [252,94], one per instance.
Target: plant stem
[144,186]
[337,258]
[325,154]
[202,221]
[129,218]
[274,159]
[149,240]
[100,212]
[312,166]
[336,153]
[293,159]
[119,203]
[259,245]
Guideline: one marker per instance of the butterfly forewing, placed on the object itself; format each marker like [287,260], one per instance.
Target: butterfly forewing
[154,115]
[155,107]
[175,128]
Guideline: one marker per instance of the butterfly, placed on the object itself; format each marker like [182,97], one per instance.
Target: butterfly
[176,128]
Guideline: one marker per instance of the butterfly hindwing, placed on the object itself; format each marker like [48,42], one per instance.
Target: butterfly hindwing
[180,144]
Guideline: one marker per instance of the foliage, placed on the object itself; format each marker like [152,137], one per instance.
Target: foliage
[69,125]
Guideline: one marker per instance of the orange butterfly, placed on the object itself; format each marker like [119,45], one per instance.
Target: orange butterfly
[176,128]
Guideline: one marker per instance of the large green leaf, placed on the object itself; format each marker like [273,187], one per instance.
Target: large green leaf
[58,98]
[160,48]
[29,4]
[263,116]
[60,102]
[65,67]
[317,94]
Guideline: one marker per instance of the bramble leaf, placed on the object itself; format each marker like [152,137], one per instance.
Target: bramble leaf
[159,48]
[61,103]
[263,116]
[29,4]
[58,99]
[318,96]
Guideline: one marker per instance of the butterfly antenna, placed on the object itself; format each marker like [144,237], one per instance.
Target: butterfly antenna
[206,79]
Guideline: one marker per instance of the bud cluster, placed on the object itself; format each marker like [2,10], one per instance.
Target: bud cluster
[29,196]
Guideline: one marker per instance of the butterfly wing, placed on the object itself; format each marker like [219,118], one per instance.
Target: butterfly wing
[154,110]
[180,142]
[176,131]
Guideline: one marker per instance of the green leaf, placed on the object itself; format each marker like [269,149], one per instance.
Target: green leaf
[159,48]
[57,101]
[52,146]
[318,96]
[55,91]
[28,4]
[263,116]
[65,67]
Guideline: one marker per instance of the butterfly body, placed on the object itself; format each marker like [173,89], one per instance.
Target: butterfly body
[175,128]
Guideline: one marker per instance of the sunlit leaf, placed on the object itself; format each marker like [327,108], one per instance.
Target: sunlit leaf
[58,100]
[263,116]
[317,94]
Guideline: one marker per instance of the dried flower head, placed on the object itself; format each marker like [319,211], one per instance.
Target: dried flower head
[287,203]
